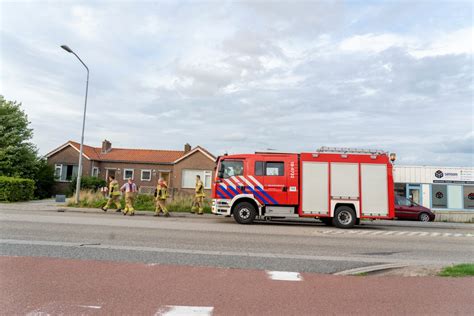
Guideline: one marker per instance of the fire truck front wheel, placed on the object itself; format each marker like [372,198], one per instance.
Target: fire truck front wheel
[244,213]
[344,217]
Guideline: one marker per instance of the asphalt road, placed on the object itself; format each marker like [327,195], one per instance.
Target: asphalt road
[220,242]
[87,262]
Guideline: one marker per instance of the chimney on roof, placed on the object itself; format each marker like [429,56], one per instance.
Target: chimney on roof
[106,146]
[187,148]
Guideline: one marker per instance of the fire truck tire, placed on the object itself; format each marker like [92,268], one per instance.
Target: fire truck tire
[244,213]
[344,217]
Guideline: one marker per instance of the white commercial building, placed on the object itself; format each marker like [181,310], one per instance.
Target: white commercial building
[438,188]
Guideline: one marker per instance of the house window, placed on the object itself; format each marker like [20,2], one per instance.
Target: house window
[188,178]
[57,171]
[127,173]
[146,175]
[65,173]
[95,172]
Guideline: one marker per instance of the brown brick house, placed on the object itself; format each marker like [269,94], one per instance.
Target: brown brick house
[145,166]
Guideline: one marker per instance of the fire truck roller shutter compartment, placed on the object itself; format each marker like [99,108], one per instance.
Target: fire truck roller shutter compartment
[344,181]
[344,185]
[315,186]
[374,189]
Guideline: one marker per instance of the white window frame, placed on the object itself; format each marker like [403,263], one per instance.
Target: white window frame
[141,174]
[125,173]
[56,166]
[95,174]
[195,172]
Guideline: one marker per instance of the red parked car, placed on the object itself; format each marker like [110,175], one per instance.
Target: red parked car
[407,209]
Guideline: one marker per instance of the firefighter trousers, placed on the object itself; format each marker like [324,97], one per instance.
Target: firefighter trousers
[197,204]
[113,199]
[160,206]
[129,198]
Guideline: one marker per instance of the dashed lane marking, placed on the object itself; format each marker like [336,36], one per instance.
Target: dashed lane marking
[284,276]
[174,310]
[360,232]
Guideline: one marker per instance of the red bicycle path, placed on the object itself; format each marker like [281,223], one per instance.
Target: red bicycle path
[40,286]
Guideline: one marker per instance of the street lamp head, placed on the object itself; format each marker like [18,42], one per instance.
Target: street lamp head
[66,48]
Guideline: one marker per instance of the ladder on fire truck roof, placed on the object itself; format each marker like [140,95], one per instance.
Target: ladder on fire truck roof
[347,150]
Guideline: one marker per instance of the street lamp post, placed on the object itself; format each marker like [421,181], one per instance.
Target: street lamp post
[79,169]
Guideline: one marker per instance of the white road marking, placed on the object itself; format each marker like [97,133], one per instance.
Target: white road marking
[284,276]
[174,310]
[91,306]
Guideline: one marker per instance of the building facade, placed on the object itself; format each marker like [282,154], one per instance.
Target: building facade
[449,189]
[145,166]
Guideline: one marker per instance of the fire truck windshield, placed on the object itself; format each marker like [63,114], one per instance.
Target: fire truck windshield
[230,168]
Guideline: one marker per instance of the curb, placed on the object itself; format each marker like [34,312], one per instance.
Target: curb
[379,267]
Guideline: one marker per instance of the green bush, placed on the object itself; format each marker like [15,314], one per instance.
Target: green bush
[44,180]
[88,183]
[16,189]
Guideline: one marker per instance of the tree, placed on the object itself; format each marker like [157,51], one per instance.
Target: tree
[18,156]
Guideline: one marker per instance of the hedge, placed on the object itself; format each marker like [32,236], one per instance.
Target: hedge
[16,189]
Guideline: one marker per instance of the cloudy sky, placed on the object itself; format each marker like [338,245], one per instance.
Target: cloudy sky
[244,76]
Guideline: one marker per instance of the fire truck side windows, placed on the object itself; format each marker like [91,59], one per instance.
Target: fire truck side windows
[230,168]
[274,168]
[259,166]
[269,168]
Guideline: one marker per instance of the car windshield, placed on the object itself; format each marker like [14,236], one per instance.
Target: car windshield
[401,200]
[230,168]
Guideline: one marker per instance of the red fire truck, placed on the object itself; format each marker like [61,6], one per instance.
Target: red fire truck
[339,186]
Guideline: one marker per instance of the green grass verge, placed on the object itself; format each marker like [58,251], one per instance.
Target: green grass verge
[459,270]
[143,202]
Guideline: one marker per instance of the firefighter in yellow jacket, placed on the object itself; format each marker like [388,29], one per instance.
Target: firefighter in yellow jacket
[161,194]
[114,195]
[198,197]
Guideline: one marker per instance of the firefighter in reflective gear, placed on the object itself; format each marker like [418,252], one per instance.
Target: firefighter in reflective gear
[198,197]
[130,190]
[161,194]
[114,195]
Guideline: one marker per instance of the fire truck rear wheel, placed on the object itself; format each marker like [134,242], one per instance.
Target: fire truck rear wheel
[344,217]
[244,213]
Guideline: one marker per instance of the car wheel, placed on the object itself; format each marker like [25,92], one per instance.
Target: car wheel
[344,217]
[424,217]
[244,213]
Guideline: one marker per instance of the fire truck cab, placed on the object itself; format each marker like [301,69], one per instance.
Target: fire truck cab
[339,186]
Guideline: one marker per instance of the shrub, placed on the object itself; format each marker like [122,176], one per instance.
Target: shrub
[44,180]
[143,202]
[88,198]
[16,189]
[88,183]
